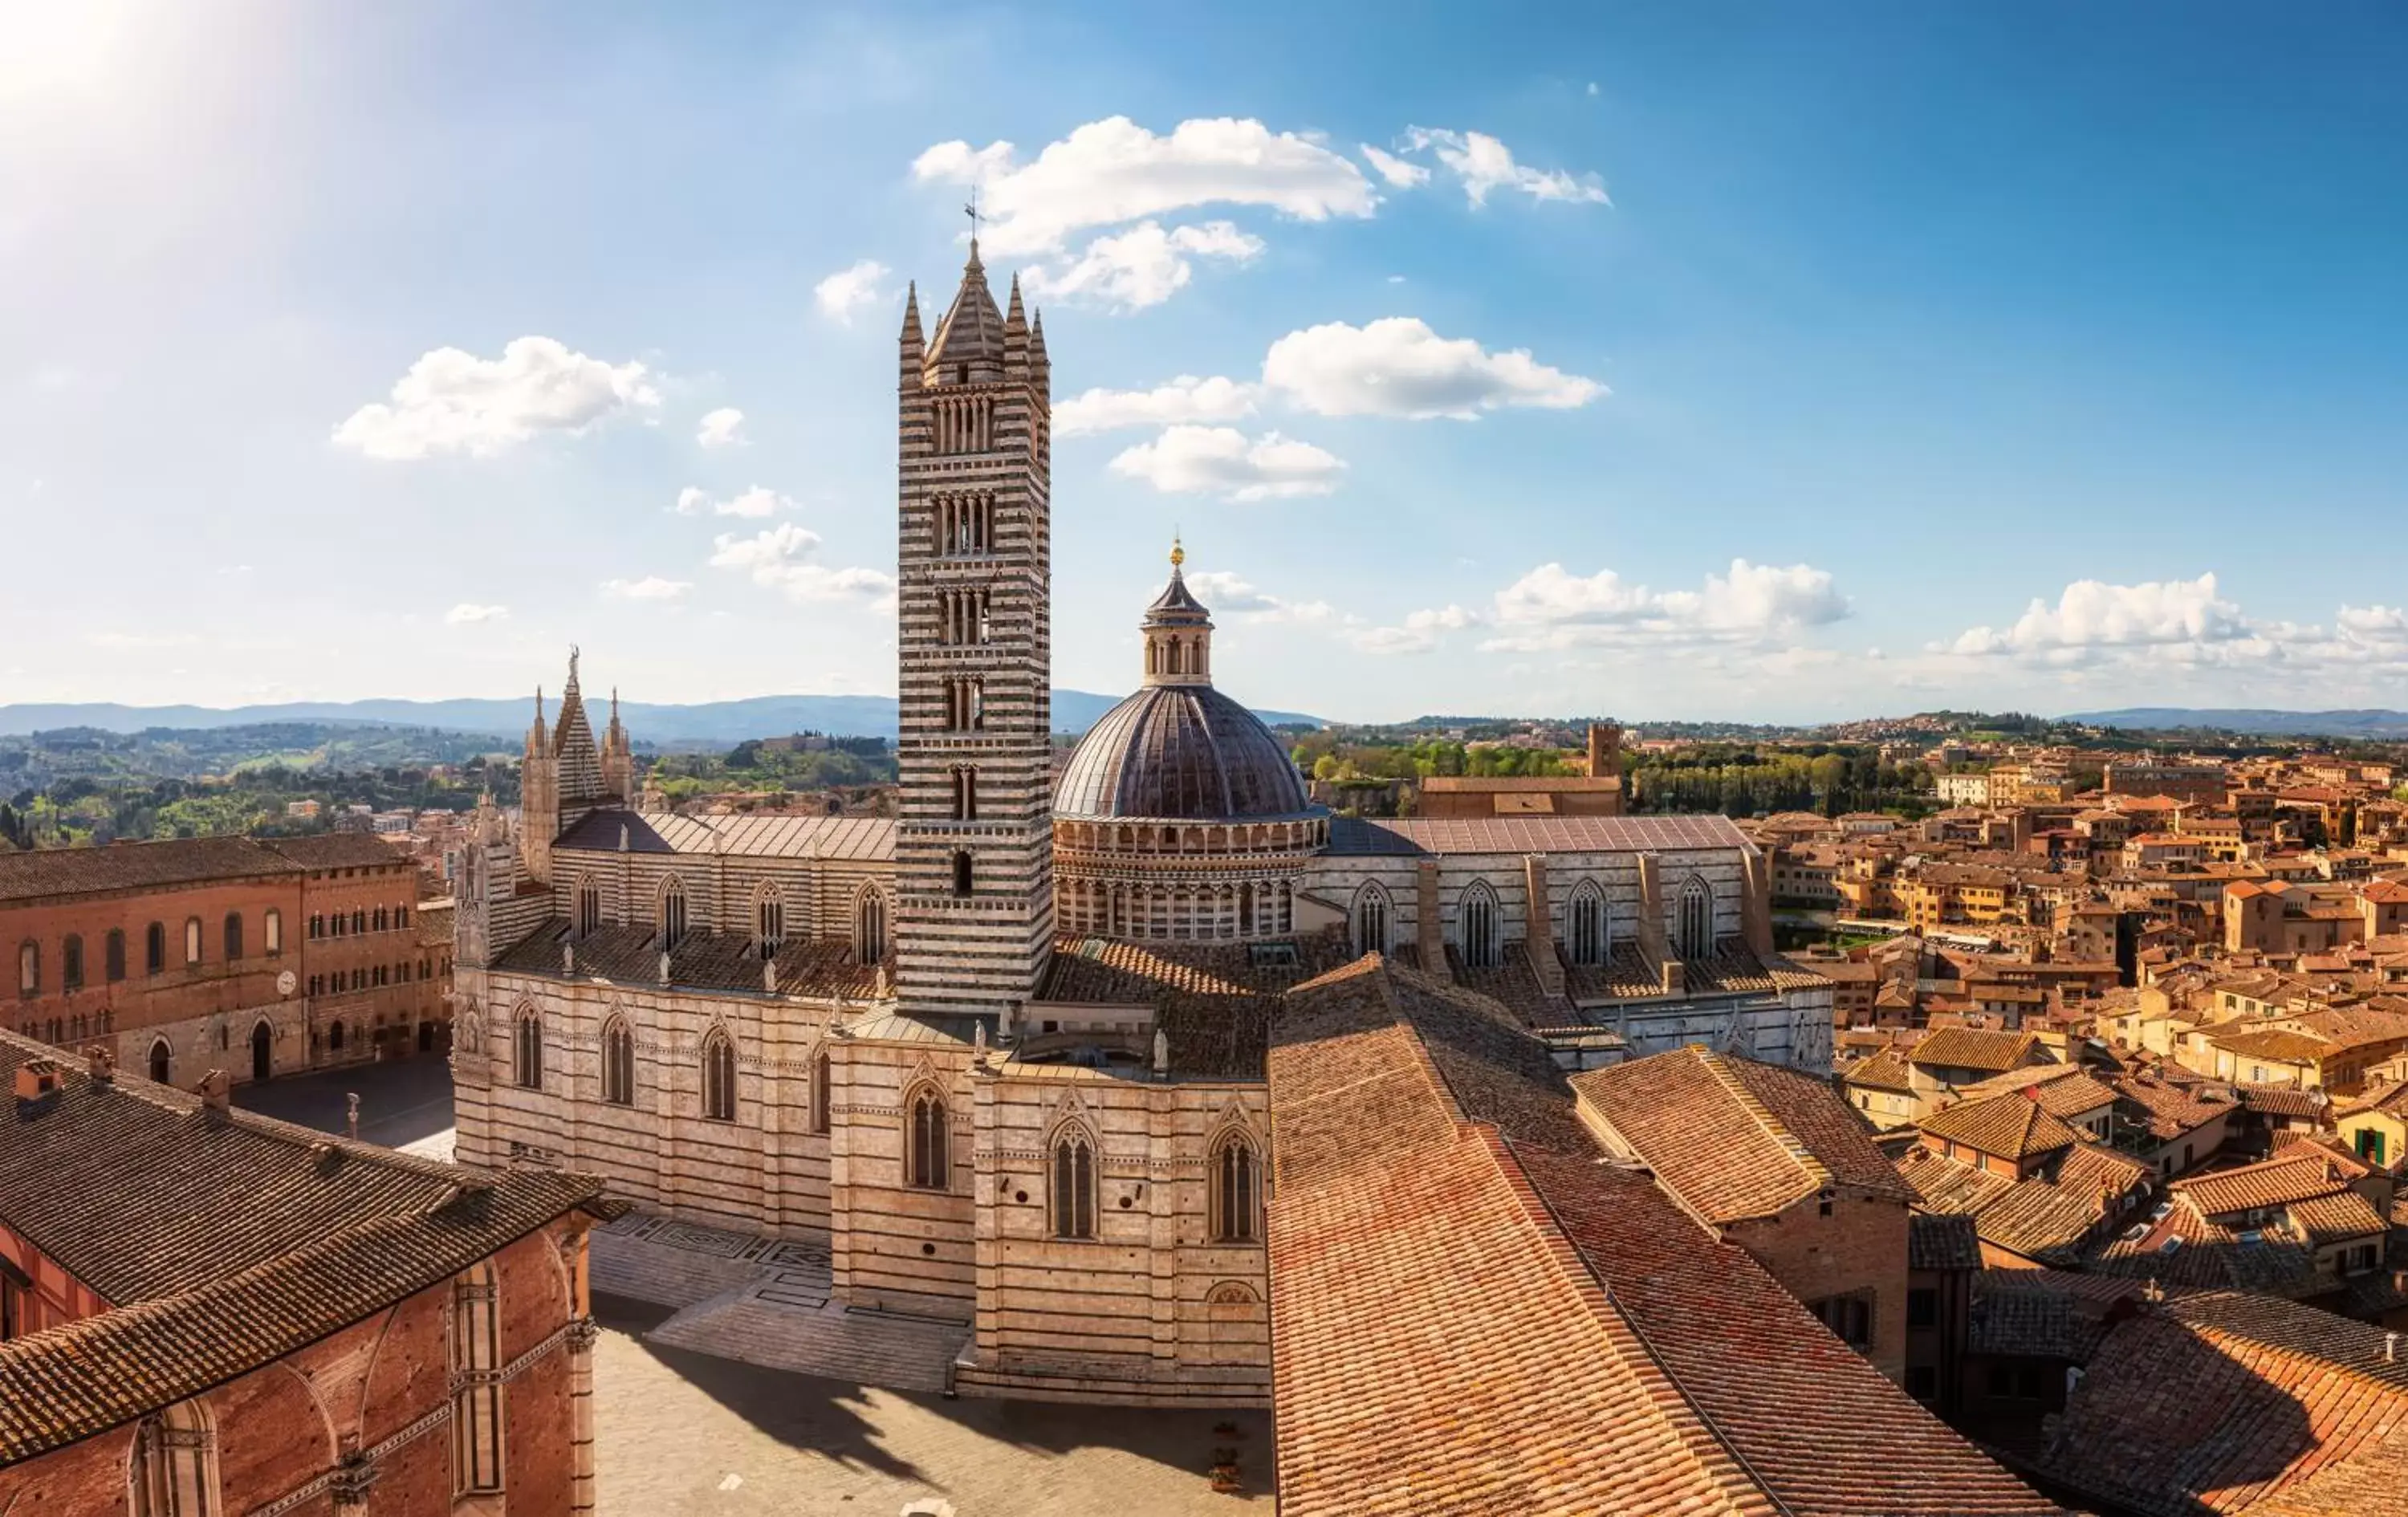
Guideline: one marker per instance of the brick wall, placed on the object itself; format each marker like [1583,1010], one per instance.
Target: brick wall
[278,1428]
[1859,1248]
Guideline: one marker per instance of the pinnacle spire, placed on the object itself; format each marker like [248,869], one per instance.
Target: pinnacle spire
[911,312]
[1014,318]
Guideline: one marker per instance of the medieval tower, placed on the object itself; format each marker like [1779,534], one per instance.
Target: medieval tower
[974,840]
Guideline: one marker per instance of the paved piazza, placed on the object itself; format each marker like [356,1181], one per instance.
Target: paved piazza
[681,1433]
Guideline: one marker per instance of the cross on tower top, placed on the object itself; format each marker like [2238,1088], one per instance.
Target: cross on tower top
[971,212]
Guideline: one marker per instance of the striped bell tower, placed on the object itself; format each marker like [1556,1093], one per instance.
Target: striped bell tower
[974,842]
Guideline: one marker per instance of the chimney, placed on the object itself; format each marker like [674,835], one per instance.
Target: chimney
[101,1064]
[2390,1348]
[38,1077]
[216,1092]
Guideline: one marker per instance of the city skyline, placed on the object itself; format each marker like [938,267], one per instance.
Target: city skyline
[1654,366]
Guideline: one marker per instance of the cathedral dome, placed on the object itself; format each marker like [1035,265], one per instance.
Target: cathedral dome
[1179,748]
[1184,751]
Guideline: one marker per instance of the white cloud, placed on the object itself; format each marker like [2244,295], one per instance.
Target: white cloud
[2374,623]
[1550,608]
[1113,171]
[1483,163]
[1418,634]
[1223,461]
[756,502]
[465,614]
[1228,594]
[720,427]
[1397,366]
[2090,615]
[455,402]
[651,587]
[849,290]
[777,557]
[1185,398]
[1396,170]
[1141,267]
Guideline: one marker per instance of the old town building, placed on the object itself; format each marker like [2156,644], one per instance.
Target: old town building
[1004,1054]
[260,956]
[203,1312]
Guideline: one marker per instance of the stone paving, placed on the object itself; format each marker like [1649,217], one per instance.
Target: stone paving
[767,1303]
[680,1434]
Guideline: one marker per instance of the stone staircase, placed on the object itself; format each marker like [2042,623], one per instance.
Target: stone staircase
[764,1302]
[831,1341]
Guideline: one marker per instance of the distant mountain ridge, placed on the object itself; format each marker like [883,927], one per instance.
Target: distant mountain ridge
[706,721]
[2374,721]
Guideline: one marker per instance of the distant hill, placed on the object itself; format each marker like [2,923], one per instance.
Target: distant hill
[710,722]
[2374,723]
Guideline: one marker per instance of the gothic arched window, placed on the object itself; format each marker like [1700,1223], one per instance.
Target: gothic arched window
[618,1062]
[154,948]
[71,962]
[233,935]
[1234,1190]
[1589,939]
[1697,920]
[271,932]
[928,1153]
[29,968]
[869,916]
[174,1471]
[719,1076]
[823,1088]
[1072,1193]
[1477,926]
[1371,920]
[162,1061]
[192,939]
[589,908]
[962,871]
[769,921]
[672,913]
[530,1052]
[113,955]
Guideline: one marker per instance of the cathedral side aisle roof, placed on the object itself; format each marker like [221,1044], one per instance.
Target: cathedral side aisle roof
[823,968]
[844,839]
[1532,835]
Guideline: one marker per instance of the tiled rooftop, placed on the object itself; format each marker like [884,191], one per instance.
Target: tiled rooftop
[1472,1314]
[225,1239]
[2224,1402]
[1734,1138]
[825,968]
[2008,1127]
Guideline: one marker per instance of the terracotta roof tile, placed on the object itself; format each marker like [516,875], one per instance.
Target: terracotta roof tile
[2009,1126]
[1471,1320]
[224,1240]
[1734,1138]
[37,873]
[2230,1403]
[1970,1048]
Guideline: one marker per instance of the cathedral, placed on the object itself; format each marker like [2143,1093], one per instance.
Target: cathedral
[1003,1055]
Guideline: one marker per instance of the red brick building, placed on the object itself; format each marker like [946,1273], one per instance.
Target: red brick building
[259,957]
[204,1312]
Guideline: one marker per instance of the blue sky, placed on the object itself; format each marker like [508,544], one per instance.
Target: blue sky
[1747,362]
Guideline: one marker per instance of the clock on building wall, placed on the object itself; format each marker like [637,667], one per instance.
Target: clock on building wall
[285,981]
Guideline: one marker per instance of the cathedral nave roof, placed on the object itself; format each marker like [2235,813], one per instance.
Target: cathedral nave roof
[843,838]
[821,968]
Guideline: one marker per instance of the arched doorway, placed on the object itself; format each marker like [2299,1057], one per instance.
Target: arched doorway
[262,1059]
[161,1057]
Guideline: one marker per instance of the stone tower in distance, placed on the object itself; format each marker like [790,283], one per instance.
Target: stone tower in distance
[974,838]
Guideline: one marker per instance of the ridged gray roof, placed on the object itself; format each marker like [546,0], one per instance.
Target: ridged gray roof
[1186,752]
